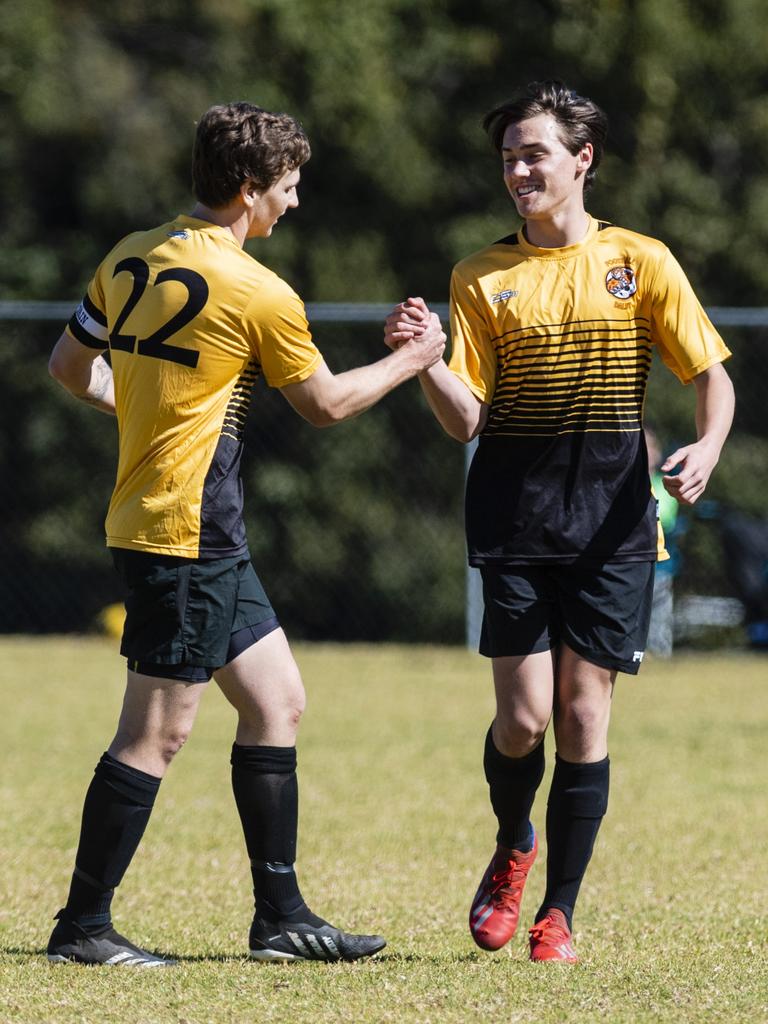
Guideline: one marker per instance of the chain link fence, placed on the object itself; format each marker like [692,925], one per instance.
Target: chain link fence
[357,530]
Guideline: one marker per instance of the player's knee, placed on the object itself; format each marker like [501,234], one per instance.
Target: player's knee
[288,713]
[171,742]
[280,715]
[518,735]
[294,697]
[293,708]
[150,749]
[582,722]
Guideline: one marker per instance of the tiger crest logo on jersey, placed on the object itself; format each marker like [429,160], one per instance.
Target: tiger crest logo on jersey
[620,282]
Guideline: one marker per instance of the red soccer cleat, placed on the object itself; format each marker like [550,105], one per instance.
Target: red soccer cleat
[496,906]
[551,940]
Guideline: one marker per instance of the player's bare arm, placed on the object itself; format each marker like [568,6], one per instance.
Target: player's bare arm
[84,373]
[460,413]
[326,398]
[714,415]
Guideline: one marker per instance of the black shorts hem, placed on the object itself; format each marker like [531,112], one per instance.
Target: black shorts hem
[184,673]
[538,648]
[502,562]
[602,660]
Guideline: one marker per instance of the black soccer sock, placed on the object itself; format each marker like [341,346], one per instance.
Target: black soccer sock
[513,782]
[267,797]
[578,800]
[116,810]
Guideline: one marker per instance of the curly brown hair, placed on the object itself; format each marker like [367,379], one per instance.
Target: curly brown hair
[239,142]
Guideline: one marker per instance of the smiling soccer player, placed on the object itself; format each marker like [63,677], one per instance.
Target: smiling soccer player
[553,329]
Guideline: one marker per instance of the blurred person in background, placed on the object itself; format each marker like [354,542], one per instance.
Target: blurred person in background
[661,630]
[191,321]
[553,329]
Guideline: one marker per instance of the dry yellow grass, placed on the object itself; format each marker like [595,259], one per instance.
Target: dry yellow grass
[395,830]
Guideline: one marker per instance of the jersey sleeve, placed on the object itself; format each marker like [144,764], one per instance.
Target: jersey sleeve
[473,358]
[687,341]
[88,324]
[280,337]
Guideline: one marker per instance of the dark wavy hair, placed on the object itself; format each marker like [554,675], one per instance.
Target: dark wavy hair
[579,119]
[239,142]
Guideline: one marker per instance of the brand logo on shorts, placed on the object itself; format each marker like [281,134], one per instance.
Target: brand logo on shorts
[638,656]
[620,282]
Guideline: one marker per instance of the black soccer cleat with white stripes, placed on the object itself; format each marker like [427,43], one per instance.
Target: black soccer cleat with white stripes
[70,943]
[294,940]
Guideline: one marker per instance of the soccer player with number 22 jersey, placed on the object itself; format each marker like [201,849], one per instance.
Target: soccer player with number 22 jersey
[190,322]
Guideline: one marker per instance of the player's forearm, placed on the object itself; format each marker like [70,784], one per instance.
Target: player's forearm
[714,413]
[90,381]
[457,410]
[715,404]
[354,391]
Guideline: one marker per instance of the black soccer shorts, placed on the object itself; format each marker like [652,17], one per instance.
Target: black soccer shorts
[186,617]
[602,613]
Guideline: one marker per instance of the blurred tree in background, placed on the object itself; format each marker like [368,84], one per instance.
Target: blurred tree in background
[99,104]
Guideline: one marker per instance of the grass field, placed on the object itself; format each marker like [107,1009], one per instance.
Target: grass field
[395,832]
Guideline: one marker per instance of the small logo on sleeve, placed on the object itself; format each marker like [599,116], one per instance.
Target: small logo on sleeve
[638,656]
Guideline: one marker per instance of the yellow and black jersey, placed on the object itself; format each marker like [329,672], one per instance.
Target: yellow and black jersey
[559,342]
[191,321]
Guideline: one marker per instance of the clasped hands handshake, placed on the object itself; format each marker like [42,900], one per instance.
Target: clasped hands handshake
[411,323]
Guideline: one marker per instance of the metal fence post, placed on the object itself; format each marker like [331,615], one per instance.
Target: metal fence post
[474,583]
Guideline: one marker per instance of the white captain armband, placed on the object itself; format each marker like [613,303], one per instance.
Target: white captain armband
[89,325]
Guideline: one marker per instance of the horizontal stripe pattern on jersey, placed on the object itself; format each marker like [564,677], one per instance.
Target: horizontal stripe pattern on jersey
[560,378]
[558,343]
[191,322]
